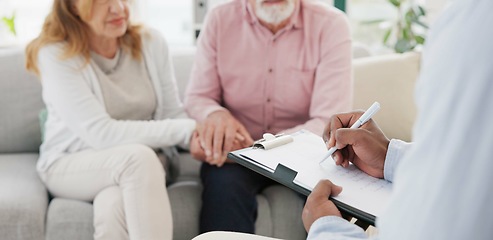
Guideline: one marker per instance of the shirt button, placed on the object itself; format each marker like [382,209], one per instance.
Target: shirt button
[270,70]
[268,100]
[268,128]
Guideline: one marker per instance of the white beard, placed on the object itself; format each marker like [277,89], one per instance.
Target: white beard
[274,14]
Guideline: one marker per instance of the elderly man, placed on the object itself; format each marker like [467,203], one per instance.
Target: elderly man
[261,66]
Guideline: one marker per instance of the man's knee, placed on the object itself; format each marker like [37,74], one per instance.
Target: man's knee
[226,180]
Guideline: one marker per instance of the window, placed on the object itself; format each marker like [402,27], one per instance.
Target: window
[362,12]
[173,18]
[29,18]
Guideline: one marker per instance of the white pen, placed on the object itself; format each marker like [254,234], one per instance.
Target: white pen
[362,120]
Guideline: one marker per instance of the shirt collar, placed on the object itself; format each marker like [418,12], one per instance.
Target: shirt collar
[295,22]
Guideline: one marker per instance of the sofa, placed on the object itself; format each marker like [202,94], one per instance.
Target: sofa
[27,211]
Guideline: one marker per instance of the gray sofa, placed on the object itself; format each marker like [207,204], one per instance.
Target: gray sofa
[27,211]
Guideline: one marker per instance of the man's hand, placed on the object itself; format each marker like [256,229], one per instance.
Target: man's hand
[318,204]
[218,135]
[366,147]
[198,152]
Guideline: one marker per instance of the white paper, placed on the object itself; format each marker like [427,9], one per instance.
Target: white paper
[303,155]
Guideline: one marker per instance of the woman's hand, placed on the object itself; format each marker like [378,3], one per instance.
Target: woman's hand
[198,152]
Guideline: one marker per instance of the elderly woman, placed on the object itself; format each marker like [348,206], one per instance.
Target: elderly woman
[111,98]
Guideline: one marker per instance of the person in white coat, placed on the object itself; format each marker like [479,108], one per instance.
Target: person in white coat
[111,99]
[442,182]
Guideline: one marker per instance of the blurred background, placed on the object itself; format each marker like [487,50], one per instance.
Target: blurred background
[180,20]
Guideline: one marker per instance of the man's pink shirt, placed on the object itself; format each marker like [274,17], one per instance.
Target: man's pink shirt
[294,79]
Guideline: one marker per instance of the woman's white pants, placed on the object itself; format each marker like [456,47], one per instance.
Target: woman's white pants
[127,186]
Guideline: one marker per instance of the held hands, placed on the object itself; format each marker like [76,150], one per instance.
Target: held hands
[219,134]
[318,204]
[199,153]
[195,149]
[366,147]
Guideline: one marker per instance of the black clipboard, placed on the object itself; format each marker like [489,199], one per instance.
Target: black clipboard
[286,176]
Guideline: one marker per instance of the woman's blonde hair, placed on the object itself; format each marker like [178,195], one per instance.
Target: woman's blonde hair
[63,25]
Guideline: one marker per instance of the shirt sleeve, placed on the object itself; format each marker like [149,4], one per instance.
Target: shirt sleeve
[333,85]
[69,97]
[204,95]
[396,151]
[335,228]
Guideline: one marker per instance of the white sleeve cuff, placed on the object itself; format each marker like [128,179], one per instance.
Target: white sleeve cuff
[189,126]
[332,227]
[396,151]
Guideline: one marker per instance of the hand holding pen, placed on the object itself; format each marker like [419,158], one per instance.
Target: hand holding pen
[363,144]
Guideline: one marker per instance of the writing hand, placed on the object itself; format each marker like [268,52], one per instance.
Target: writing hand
[366,147]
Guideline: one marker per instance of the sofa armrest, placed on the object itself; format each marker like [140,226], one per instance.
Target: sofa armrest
[23,198]
[390,80]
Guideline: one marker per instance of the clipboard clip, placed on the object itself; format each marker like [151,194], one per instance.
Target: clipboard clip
[270,141]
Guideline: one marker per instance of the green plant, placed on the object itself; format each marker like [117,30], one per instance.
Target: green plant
[10,23]
[407,31]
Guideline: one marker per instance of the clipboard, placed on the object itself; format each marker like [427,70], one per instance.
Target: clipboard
[286,175]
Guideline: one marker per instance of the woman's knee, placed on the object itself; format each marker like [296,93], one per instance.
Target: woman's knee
[144,160]
[142,155]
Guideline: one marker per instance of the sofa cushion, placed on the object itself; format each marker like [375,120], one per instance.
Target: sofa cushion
[69,219]
[21,103]
[72,219]
[23,198]
[185,200]
[390,80]
[285,207]
[263,224]
[189,168]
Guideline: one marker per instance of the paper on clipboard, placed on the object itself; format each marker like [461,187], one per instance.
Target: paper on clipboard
[303,155]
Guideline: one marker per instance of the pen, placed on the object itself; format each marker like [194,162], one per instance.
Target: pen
[362,120]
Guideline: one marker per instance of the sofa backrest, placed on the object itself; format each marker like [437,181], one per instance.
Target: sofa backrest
[182,64]
[20,104]
[390,80]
